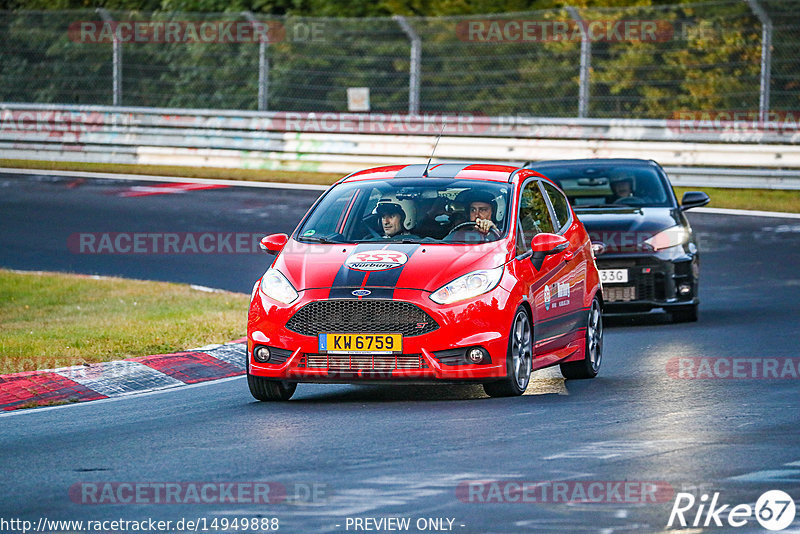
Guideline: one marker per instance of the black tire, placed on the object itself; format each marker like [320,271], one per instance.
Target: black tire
[519,359]
[589,366]
[265,389]
[684,314]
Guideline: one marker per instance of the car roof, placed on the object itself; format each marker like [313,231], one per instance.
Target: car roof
[464,171]
[633,162]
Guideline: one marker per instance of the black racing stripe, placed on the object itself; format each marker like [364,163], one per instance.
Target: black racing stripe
[439,170]
[556,326]
[347,279]
[389,277]
[410,171]
[448,170]
[380,283]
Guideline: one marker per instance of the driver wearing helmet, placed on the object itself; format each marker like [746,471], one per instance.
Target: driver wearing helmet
[481,208]
[397,216]
[482,211]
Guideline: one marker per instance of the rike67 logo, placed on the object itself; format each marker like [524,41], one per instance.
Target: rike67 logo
[774,510]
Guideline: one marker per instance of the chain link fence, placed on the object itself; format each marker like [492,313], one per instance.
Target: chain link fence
[634,62]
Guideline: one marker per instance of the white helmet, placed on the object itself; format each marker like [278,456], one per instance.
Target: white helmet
[391,204]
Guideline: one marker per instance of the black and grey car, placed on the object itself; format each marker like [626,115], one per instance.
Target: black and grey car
[645,249]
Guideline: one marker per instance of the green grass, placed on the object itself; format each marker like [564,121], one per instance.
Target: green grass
[750,199]
[252,175]
[50,320]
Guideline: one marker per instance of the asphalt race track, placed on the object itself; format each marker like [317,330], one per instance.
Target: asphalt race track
[341,451]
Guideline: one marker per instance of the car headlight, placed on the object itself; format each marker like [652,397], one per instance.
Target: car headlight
[276,286]
[468,286]
[671,237]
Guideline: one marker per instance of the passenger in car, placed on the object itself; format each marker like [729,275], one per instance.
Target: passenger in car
[397,216]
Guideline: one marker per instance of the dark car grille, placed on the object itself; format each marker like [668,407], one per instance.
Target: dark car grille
[358,316]
[645,281]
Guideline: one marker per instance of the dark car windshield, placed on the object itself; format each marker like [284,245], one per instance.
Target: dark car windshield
[420,210]
[603,186]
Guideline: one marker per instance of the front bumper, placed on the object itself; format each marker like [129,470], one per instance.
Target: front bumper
[482,321]
[654,281]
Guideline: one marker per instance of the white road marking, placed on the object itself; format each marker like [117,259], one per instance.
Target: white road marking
[772,475]
[150,178]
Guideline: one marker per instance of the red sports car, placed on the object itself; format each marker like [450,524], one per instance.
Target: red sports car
[407,274]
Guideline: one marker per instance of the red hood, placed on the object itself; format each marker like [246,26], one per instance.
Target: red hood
[425,266]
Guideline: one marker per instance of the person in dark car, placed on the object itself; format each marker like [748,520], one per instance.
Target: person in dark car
[621,187]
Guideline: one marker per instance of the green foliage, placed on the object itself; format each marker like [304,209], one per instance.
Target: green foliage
[708,57]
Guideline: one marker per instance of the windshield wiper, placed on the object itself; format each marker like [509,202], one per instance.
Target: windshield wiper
[406,241]
[314,239]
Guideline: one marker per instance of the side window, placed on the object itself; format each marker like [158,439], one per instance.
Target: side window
[522,246]
[559,204]
[534,217]
[356,214]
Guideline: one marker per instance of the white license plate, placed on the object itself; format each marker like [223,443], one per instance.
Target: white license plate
[613,276]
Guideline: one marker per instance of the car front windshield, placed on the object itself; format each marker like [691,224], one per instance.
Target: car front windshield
[420,210]
[606,186]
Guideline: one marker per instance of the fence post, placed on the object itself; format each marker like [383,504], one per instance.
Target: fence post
[263,63]
[586,64]
[116,61]
[414,68]
[766,58]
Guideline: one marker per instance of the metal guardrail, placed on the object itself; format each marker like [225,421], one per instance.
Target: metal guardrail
[710,129]
[734,178]
[343,142]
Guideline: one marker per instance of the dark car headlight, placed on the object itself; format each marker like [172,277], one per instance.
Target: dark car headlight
[671,237]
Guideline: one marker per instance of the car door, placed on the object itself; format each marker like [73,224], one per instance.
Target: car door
[568,282]
[535,216]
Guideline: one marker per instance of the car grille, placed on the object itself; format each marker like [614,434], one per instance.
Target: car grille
[641,285]
[357,316]
[365,362]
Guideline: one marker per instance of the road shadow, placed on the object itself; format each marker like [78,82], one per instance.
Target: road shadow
[637,319]
[384,393]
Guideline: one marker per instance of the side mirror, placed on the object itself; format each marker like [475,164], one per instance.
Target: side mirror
[546,244]
[694,199]
[274,243]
